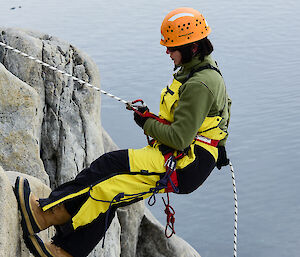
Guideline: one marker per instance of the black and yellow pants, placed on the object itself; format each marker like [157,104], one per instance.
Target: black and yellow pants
[117,179]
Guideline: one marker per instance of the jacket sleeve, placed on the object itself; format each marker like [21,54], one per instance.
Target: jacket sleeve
[194,104]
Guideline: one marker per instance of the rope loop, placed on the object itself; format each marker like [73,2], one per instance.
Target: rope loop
[170,212]
[152,198]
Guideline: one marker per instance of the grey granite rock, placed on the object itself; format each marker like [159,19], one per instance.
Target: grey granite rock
[19,127]
[68,114]
[11,242]
[153,243]
[130,218]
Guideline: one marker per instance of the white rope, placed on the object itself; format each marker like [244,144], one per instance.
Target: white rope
[235,212]
[63,73]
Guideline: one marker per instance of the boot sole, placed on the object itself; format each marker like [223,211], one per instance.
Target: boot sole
[22,192]
[37,247]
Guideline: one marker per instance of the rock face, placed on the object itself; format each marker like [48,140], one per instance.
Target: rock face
[19,138]
[49,131]
[130,218]
[11,243]
[152,241]
[67,119]
[9,228]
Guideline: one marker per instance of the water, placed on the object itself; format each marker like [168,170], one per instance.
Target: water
[257,48]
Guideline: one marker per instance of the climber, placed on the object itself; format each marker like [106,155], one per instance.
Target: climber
[196,110]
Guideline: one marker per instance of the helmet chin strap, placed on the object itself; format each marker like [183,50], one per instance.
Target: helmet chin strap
[176,67]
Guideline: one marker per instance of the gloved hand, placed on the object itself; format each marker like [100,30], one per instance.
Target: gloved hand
[222,158]
[138,118]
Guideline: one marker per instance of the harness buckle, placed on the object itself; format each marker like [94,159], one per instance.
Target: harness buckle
[171,163]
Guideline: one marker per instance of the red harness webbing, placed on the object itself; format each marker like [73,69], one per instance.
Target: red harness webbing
[169,211]
[173,176]
[207,141]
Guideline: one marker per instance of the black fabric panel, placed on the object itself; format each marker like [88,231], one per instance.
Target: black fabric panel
[83,240]
[193,175]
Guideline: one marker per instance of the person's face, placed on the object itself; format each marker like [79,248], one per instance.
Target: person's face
[175,55]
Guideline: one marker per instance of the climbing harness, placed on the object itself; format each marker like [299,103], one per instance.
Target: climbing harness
[169,180]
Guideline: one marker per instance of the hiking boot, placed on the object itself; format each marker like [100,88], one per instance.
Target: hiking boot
[34,219]
[56,251]
[40,249]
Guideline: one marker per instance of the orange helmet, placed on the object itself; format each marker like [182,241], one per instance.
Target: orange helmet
[183,26]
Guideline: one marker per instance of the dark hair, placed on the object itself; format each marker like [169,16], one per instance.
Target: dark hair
[205,48]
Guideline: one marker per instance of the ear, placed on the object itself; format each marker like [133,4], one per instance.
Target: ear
[194,48]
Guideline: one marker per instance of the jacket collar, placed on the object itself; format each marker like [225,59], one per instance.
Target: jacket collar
[196,63]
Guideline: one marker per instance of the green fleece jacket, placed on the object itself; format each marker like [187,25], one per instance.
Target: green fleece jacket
[203,95]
